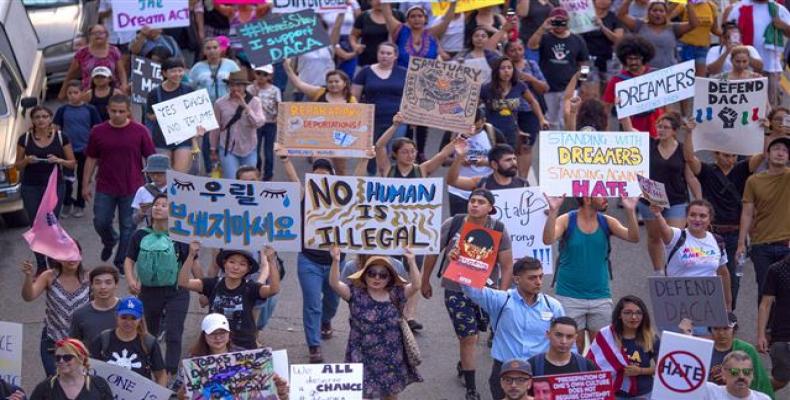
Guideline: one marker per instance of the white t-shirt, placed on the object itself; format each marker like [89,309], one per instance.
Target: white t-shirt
[348,20]
[716,392]
[313,66]
[453,38]
[696,257]
[715,52]
[479,146]
[143,196]
[761,17]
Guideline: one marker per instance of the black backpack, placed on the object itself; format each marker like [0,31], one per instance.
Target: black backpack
[540,363]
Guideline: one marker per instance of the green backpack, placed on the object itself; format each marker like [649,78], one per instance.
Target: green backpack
[157,262]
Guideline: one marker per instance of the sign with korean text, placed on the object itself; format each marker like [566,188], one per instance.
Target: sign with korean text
[478,248]
[596,385]
[582,13]
[728,115]
[239,375]
[655,89]
[439,9]
[134,15]
[522,210]
[441,95]
[368,215]
[145,76]
[11,342]
[231,214]
[653,191]
[326,381]
[698,298]
[593,164]
[325,129]
[180,117]
[280,36]
[319,6]
[682,368]
[127,384]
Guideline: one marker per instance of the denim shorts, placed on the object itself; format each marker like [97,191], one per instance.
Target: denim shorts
[696,53]
[678,211]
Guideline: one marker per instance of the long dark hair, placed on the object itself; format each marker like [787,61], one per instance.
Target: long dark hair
[645,334]
[58,267]
[496,87]
[344,77]
[200,347]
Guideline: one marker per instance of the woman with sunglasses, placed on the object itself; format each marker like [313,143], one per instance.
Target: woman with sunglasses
[72,381]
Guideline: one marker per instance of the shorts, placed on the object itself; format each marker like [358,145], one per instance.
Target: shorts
[780,360]
[527,123]
[467,318]
[186,144]
[677,211]
[590,314]
[697,53]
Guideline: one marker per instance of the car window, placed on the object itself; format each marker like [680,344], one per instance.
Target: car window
[14,91]
[3,104]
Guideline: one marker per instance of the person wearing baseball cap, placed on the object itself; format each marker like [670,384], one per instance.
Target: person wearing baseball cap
[724,342]
[516,379]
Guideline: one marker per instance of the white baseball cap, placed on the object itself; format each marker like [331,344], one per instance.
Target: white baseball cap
[101,71]
[213,322]
[268,68]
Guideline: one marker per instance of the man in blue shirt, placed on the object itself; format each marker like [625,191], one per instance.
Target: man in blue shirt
[520,317]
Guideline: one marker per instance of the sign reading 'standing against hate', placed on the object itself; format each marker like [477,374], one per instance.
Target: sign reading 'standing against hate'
[145,76]
[128,15]
[682,368]
[698,298]
[238,375]
[11,341]
[326,381]
[280,36]
[180,117]
[231,214]
[655,89]
[368,215]
[522,210]
[593,164]
[325,129]
[595,385]
[127,384]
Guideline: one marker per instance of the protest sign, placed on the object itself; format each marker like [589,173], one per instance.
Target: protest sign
[595,385]
[127,384]
[369,215]
[653,191]
[319,6]
[180,117]
[239,1]
[682,368]
[325,129]
[439,9]
[145,76]
[522,210]
[698,298]
[238,375]
[441,95]
[11,341]
[582,15]
[326,382]
[231,214]
[593,164]
[728,115]
[280,36]
[647,92]
[134,15]
[477,253]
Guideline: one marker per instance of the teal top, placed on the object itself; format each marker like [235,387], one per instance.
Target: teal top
[583,272]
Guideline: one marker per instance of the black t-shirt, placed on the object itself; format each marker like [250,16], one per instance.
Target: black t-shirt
[716,361]
[99,389]
[38,174]
[571,367]
[599,45]
[536,17]
[724,191]
[777,283]
[488,182]
[236,305]
[158,95]
[636,355]
[130,355]
[372,35]
[670,172]
[560,59]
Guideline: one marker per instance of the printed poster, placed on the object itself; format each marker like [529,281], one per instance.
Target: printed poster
[728,115]
[244,375]
[595,385]
[127,384]
[232,214]
[145,76]
[442,95]
[280,36]
[368,215]
[11,342]
[523,211]
[326,381]
[180,117]
[653,191]
[134,15]
[328,130]
[478,248]
[655,89]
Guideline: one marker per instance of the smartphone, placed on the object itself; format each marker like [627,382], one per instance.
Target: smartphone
[735,37]
[584,73]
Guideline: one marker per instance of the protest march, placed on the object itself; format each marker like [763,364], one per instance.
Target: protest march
[593,192]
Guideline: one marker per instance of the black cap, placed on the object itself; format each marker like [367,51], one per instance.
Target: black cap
[224,254]
[488,196]
[781,139]
[323,163]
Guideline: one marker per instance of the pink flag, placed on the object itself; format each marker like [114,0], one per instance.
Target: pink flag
[47,236]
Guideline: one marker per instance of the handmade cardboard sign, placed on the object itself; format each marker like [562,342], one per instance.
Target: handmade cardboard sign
[477,253]
[280,36]
[134,15]
[127,384]
[239,375]
[326,381]
[145,76]
[728,115]
[180,117]
[595,385]
[319,6]
[231,214]
[582,15]
[441,95]
[593,164]
[439,9]
[11,342]
[655,89]
[682,368]
[325,129]
[522,210]
[653,191]
[372,215]
[698,298]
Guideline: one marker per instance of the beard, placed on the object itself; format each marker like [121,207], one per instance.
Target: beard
[510,172]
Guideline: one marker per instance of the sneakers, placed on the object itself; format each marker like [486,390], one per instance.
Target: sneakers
[106,252]
[78,212]
[414,325]
[65,212]
[315,355]
[326,330]
[472,395]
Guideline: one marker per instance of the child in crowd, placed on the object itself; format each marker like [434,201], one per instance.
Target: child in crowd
[155,169]
[270,97]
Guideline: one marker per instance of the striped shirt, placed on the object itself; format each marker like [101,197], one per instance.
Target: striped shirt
[61,305]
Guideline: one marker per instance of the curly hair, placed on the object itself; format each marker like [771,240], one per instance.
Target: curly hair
[635,45]
[592,113]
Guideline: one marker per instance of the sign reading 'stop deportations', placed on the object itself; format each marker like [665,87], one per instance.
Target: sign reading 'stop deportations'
[655,89]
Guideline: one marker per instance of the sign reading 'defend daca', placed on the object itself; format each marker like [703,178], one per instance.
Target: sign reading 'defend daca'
[128,15]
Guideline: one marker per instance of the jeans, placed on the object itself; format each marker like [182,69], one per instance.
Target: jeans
[174,302]
[104,206]
[730,245]
[75,174]
[381,125]
[231,162]
[266,311]
[47,350]
[319,301]
[267,134]
[554,111]
[31,200]
[763,255]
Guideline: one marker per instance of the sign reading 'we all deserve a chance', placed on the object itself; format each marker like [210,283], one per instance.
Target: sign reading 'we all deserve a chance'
[129,15]
[280,36]
[655,89]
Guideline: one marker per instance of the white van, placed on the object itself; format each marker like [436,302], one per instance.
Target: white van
[22,86]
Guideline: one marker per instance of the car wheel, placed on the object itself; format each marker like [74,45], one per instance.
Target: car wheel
[16,219]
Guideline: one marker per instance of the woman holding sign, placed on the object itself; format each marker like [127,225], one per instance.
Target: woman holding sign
[98,53]
[404,155]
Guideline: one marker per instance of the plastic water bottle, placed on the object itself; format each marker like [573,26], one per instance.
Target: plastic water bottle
[739,265]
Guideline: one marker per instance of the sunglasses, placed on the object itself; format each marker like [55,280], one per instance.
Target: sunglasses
[64,357]
[740,371]
[380,275]
[509,380]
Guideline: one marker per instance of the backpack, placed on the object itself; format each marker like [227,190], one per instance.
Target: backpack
[602,223]
[682,240]
[540,363]
[157,262]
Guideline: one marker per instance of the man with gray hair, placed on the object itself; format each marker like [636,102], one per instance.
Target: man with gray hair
[738,372]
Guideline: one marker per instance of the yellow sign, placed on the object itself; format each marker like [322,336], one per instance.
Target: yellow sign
[439,9]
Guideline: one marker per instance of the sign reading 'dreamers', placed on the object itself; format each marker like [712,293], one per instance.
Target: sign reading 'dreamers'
[11,341]
[699,298]
[372,215]
[655,89]
[593,164]
[682,368]
[127,384]
[128,15]
[522,210]
[180,117]
[280,36]
[325,129]
[326,382]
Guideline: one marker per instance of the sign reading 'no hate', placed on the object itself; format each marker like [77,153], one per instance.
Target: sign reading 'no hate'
[682,368]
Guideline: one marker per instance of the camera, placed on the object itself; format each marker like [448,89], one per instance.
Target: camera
[559,22]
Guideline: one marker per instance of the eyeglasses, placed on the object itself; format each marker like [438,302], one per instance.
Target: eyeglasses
[41,116]
[519,380]
[739,371]
[377,275]
[629,314]
[99,33]
[64,357]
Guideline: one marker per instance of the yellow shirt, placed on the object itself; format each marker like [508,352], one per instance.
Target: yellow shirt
[706,15]
[770,195]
